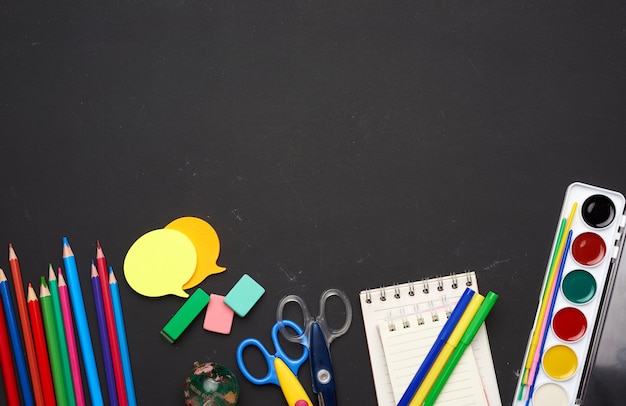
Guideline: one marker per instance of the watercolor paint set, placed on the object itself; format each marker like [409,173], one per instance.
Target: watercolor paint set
[576,291]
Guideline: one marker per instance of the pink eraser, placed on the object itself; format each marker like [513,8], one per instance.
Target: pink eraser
[218,317]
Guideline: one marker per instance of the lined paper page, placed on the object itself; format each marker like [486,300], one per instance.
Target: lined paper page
[406,343]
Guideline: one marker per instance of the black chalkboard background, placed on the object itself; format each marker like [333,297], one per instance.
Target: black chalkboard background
[330,144]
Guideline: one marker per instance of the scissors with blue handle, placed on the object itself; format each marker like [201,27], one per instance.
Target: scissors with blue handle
[281,369]
[317,336]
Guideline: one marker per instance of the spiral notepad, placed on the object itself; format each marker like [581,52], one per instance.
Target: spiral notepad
[410,311]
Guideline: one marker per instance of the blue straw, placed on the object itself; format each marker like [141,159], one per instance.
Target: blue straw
[443,336]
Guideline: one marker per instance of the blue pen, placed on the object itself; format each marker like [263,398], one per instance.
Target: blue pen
[82,327]
[18,352]
[443,336]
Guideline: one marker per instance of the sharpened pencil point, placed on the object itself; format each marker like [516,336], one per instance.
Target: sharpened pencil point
[51,275]
[112,278]
[12,255]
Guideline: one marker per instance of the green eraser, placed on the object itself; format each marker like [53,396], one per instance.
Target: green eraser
[185,315]
[244,295]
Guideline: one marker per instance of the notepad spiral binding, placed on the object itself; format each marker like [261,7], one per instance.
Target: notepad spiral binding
[425,284]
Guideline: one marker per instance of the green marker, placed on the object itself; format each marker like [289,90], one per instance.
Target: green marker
[185,315]
[466,340]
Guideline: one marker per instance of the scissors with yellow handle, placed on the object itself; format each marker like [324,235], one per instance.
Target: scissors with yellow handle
[317,336]
[281,369]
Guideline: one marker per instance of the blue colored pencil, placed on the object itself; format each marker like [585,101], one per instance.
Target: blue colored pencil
[443,336]
[104,336]
[14,333]
[82,327]
[121,335]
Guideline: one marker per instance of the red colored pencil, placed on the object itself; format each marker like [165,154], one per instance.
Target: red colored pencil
[6,362]
[114,344]
[27,334]
[41,348]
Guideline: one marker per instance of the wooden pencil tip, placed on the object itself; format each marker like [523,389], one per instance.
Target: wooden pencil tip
[94,270]
[3,277]
[67,250]
[51,274]
[112,278]
[12,255]
[31,293]
[43,289]
[61,279]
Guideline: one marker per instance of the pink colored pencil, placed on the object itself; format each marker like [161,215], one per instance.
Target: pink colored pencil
[71,340]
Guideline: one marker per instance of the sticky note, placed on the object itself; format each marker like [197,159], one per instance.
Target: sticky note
[185,315]
[160,262]
[207,243]
[218,317]
[244,295]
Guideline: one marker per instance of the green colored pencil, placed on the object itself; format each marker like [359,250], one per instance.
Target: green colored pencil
[63,349]
[466,340]
[47,311]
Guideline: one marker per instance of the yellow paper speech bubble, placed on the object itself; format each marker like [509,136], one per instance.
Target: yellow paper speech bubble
[160,262]
[207,244]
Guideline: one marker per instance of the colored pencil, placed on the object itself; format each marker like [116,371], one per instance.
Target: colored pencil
[465,342]
[104,337]
[116,359]
[49,323]
[27,334]
[82,327]
[68,323]
[443,336]
[63,350]
[6,363]
[41,349]
[16,341]
[121,335]
[447,350]
[546,298]
[539,353]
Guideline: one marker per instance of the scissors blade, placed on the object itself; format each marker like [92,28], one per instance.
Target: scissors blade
[321,367]
[292,389]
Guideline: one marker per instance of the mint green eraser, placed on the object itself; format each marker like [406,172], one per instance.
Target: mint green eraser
[244,295]
[185,315]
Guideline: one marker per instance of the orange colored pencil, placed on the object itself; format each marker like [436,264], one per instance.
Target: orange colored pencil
[41,348]
[6,363]
[27,334]
[114,344]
